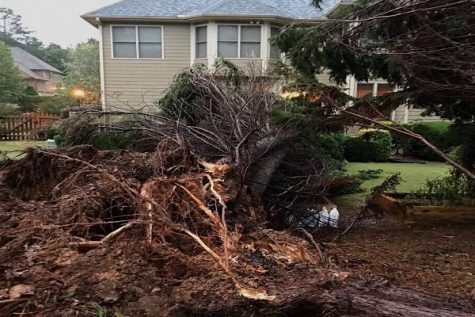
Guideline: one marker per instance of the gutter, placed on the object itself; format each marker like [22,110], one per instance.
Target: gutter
[196,18]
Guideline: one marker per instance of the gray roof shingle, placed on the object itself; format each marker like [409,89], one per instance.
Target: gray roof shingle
[289,9]
[30,61]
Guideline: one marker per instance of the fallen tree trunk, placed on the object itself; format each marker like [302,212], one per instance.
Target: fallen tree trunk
[392,301]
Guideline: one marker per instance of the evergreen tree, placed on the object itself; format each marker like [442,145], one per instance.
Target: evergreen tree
[425,48]
[11,84]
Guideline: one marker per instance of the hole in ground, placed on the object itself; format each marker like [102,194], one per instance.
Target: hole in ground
[116,213]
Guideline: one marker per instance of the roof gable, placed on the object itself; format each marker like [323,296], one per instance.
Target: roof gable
[176,9]
[30,61]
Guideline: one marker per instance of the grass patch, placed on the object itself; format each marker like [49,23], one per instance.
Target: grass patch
[414,177]
[14,149]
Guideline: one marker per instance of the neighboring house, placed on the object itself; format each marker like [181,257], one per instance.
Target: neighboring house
[36,73]
[145,43]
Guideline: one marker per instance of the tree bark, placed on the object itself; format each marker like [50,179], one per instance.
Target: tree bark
[393,301]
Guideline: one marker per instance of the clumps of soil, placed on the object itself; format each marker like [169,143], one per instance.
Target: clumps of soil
[97,233]
[125,232]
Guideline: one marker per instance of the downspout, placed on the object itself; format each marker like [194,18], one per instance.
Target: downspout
[101,58]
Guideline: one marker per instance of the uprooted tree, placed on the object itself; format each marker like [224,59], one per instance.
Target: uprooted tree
[182,230]
[424,48]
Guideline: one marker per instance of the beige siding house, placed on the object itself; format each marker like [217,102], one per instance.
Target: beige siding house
[36,73]
[145,43]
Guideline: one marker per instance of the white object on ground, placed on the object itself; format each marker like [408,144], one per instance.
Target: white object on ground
[324,217]
[50,144]
[334,217]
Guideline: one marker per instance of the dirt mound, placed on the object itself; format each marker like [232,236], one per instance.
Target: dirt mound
[94,233]
[89,230]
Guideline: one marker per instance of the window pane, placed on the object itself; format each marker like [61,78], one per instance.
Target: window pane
[123,33]
[364,90]
[201,34]
[201,50]
[251,34]
[249,50]
[150,50]
[125,50]
[384,89]
[226,49]
[228,33]
[150,34]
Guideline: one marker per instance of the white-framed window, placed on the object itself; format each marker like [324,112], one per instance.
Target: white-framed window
[275,52]
[239,41]
[135,41]
[201,38]
[373,89]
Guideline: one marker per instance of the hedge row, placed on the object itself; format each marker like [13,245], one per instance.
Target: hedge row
[371,145]
[439,133]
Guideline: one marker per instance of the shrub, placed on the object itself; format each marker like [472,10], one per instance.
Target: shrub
[84,130]
[55,104]
[345,185]
[369,174]
[371,145]
[452,189]
[438,133]
[7,109]
[330,144]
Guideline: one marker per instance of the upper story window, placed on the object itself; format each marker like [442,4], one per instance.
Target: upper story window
[275,52]
[373,89]
[239,41]
[201,41]
[137,42]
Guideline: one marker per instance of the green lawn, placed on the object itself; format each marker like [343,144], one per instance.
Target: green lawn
[15,148]
[414,177]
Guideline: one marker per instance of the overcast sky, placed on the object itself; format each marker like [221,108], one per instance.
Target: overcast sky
[57,21]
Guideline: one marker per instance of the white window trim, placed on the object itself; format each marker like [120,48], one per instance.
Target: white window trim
[195,42]
[239,40]
[137,41]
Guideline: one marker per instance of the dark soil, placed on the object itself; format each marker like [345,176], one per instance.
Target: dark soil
[430,255]
[58,209]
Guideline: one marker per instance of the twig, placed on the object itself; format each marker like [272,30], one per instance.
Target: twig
[8,301]
[132,192]
[358,217]
[312,240]
[106,239]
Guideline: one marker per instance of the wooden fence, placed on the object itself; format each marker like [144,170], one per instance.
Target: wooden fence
[27,126]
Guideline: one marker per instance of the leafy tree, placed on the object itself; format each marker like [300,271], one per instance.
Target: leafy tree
[425,48]
[11,85]
[57,56]
[83,71]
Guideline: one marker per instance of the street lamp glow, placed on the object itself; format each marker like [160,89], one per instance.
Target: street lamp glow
[78,93]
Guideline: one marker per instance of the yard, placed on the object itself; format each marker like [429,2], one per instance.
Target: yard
[414,177]
[15,148]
